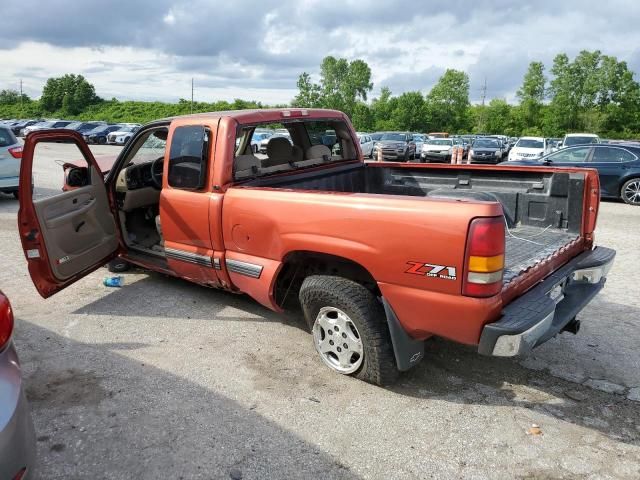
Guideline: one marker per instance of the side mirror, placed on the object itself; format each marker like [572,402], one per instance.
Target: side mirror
[77,177]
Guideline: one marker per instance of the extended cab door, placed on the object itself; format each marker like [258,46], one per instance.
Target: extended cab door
[69,234]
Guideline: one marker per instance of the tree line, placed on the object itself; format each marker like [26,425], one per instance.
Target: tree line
[592,92]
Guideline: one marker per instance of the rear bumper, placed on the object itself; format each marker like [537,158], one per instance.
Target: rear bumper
[433,157]
[9,184]
[17,437]
[545,310]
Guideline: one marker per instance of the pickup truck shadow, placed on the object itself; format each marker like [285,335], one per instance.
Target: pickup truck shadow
[109,416]
[161,296]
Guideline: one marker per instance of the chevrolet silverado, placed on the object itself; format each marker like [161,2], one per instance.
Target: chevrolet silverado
[379,256]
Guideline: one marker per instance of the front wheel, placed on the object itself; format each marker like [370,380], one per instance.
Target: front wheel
[350,332]
[630,191]
[118,265]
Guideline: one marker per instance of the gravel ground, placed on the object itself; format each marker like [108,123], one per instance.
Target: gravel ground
[166,379]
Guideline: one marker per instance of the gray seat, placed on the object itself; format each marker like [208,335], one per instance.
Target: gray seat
[279,152]
[246,166]
[318,152]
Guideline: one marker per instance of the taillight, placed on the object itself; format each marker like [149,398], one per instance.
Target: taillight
[16,152]
[6,321]
[20,475]
[484,259]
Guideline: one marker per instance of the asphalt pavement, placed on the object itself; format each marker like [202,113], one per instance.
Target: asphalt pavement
[166,379]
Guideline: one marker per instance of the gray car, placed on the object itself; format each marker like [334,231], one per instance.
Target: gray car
[10,155]
[17,435]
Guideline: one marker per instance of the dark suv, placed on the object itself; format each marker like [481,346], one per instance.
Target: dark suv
[395,146]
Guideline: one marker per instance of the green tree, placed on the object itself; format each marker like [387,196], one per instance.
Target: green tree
[342,85]
[447,104]
[78,91]
[309,95]
[594,92]
[12,97]
[382,109]
[410,113]
[532,94]
[362,117]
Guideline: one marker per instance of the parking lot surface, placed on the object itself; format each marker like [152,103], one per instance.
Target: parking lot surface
[166,379]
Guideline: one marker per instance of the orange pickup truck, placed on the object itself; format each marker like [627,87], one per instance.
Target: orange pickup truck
[379,256]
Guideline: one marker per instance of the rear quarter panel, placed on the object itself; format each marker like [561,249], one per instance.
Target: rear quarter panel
[383,233]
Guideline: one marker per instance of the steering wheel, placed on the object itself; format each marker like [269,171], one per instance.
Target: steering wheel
[156,172]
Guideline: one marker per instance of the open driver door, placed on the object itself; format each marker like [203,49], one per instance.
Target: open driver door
[67,235]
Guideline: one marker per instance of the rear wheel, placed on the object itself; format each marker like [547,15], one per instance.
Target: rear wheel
[349,329]
[630,191]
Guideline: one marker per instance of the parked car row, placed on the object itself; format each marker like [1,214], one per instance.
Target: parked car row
[618,166]
[98,132]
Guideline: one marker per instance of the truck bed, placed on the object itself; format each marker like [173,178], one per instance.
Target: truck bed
[529,245]
[542,210]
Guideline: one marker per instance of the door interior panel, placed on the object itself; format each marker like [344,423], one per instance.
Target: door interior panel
[77,226]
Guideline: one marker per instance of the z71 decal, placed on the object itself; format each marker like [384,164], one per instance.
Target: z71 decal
[431,270]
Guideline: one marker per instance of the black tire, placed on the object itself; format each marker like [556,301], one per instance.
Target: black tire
[366,313]
[630,192]
[118,265]
[16,195]
[102,140]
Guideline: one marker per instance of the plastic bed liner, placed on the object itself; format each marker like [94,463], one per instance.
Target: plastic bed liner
[528,245]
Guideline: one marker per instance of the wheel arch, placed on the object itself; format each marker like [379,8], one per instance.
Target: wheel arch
[299,264]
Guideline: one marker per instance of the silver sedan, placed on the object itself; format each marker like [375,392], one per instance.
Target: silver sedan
[17,436]
[10,155]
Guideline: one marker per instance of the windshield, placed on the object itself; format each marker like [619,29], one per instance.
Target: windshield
[530,143]
[418,138]
[485,143]
[579,141]
[397,137]
[149,147]
[439,142]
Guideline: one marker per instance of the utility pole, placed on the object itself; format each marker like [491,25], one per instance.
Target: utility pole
[191,94]
[483,96]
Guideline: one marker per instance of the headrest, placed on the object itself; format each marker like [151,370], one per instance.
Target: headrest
[279,148]
[318,151]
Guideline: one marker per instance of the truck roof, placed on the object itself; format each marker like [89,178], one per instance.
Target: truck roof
[264,114]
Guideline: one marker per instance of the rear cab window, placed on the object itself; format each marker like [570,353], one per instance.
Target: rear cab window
[288,145]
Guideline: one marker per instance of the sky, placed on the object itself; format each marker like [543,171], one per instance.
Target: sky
[151,49]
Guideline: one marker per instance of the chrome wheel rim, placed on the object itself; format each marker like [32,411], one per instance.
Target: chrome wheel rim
[632,192]
[337,340]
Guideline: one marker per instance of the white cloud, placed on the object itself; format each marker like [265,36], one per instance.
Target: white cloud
[169,18]
[238,50]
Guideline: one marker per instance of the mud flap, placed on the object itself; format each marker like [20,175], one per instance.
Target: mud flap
[408,351]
